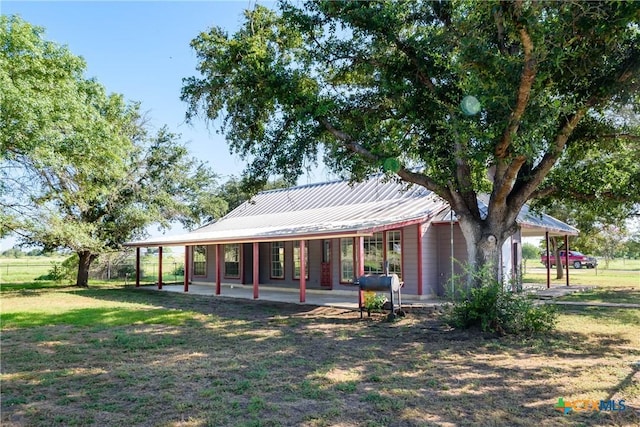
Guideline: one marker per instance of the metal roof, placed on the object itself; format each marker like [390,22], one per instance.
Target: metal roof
[329,209]
[531,223]
[332,209]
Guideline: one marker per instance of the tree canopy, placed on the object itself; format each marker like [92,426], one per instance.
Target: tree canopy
[463,97]
[80,169]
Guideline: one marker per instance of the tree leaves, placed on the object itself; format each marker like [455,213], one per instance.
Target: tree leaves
[79,167]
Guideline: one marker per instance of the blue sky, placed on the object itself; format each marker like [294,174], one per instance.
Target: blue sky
[141,50]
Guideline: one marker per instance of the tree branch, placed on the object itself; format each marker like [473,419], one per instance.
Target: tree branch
[524,91]
[348,141]
[543,192]
[504,184]
[405,174]
[548,160]
[628,136]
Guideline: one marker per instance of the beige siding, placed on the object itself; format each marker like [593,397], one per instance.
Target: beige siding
[443,234]
[410,259]
[429,260]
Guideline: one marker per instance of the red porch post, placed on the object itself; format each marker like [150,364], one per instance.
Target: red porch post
[566,255]
[186,268]
[256,265]
[303,272]
[137,267]
[360,266]
[419,250]
[546,237]
[218,261]
[159,267]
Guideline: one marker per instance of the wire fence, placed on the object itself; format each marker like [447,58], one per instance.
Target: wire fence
[20,272]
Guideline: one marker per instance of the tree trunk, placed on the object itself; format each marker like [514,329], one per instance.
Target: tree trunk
[484,242]
[556,254]
[85,258]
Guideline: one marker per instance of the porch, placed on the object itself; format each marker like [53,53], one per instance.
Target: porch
[346,298]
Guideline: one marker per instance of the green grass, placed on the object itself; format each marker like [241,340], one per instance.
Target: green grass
[606,295]
[611,278]
[112,357]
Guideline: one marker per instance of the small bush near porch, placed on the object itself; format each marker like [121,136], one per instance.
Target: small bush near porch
[114,357]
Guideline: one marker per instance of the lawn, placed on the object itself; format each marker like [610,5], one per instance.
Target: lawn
[123,356]
[588,277]
[618,284]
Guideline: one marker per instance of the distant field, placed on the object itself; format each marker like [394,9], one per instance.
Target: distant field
[611,278]
[31,272]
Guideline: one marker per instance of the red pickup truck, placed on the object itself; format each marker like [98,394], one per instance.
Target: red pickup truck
[577,259]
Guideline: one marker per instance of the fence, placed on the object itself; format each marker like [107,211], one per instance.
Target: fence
[36,270]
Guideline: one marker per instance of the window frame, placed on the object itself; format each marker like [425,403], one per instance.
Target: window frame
[387,250]
[238,256]
[196,263]
[351,241]
[296,259]
[273,261]
[378,254]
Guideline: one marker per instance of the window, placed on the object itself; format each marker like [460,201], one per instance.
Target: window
[296,260]
[346,260]
[277,260]
[199,261]
[373,254]
[394,252]
[232,261]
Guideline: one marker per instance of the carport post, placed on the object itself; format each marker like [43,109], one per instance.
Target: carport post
[186,268]
[256,265]
[546,238]
[138,267]
[566,255]
[159,267]
[303,272]
[218,261]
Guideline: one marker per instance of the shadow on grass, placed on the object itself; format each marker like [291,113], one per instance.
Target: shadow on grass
[628,316]
[224,307]
[32,286]
[265,363]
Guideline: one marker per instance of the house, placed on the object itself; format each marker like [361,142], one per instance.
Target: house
[323,235]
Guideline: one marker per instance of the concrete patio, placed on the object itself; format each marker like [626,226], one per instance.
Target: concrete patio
[339,298]
[346,298]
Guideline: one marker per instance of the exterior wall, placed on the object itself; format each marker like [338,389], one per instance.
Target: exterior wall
[211,263]
[429,260]
[511,258]
[410,259]
[314,265]
[443,238]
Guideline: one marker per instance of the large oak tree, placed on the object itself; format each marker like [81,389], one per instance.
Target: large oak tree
[79,168]
[378,85]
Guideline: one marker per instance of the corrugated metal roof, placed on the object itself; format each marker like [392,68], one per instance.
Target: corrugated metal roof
[331,209]
[526,218]
[315,210]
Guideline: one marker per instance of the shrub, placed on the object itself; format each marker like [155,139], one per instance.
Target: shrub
[496,310]
[125,270]
[64,271]
[373,301]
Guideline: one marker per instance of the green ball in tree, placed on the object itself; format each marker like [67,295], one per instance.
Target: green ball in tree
[470,105]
